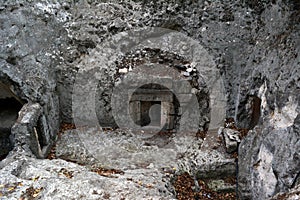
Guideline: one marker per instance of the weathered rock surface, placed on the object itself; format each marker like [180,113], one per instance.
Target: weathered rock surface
[269,162]
[124,149]
[145,167]
[254,44]
[231,139]
[293,194]
[28,55]
[58,179]
[269,155]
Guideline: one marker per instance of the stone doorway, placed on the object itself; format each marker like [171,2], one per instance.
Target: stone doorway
[153,108]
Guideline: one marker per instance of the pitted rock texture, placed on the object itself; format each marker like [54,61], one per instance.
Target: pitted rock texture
[255,45]
[274,159]
[130,165]
[58,179]
[28,56]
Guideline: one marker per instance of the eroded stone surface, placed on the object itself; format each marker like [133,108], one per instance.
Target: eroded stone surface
[124,149]
[59,179]
[149,164]
[255,45]
[28,56]
[231,139]
[273,155]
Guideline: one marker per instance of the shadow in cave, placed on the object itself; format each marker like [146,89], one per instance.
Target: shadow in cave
[9,108]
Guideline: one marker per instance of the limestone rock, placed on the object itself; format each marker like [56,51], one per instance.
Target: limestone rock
[58,179]
[254,48]
[231,139]
[221,186]
[274,157]
[293,194]
[28,58]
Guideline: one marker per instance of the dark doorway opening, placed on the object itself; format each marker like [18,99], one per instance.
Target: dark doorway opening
[255,110]
[9,108]
[150,113]
[154,106]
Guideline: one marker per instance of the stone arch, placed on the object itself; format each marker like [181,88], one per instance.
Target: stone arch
[177,88]
[99,66]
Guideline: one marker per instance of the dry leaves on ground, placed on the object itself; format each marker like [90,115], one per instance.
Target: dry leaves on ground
[185,189]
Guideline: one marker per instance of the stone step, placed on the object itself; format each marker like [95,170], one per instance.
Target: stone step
[220,185]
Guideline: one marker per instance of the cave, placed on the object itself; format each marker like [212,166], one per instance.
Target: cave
[10,105]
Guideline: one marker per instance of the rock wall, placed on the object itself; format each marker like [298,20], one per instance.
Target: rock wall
[28,55]
[254,44]
[269,156]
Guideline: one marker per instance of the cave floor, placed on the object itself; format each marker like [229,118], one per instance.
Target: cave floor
[87,163]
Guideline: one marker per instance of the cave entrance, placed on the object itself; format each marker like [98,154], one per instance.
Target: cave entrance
[9,108]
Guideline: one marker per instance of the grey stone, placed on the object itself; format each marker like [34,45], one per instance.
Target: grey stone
[126,150]
[59,179]
[28,58]
[254,45]
[221,186]
[231,139]
[25,131]
[292,194]
[274,157]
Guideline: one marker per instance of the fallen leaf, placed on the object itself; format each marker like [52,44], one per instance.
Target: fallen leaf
[35,178]
[149,186]
[11,188]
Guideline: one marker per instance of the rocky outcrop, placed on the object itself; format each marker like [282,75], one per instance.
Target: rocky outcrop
[269,155]
[269,162]
[253,47]
[57,179]
[28,54]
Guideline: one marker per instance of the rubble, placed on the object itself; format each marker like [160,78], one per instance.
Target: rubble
[231,139]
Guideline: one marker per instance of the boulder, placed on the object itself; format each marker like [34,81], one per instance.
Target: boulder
[231,139]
